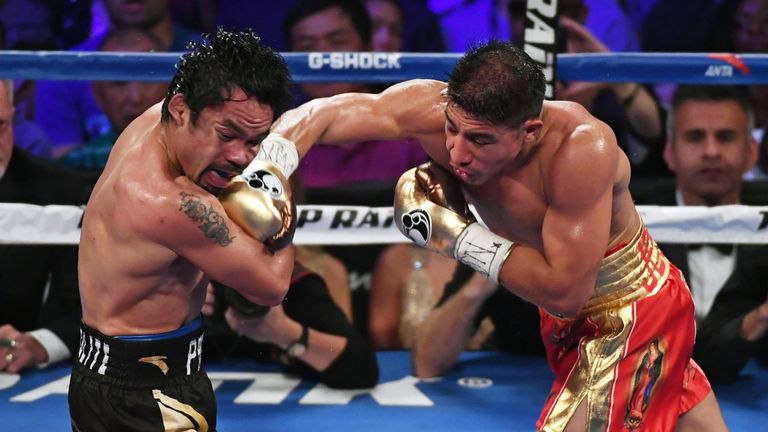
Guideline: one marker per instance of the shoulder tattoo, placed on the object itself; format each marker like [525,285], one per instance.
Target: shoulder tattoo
[209,221]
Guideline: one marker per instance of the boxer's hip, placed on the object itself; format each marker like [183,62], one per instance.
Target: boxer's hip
[139,360]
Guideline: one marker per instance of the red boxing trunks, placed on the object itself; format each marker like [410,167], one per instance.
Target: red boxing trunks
[627,355]
[137,383]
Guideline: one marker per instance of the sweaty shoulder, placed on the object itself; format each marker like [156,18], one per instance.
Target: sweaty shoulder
[579,142]
[419,107]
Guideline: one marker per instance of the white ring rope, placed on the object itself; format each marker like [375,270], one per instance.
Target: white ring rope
[357,225]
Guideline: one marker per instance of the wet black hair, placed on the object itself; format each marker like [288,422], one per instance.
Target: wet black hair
[497,83]
[223,61]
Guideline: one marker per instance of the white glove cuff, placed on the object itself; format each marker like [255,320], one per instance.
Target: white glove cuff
[280,151]
[482,250]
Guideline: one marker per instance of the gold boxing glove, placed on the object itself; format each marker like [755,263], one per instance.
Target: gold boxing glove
[260,201]
[430,209]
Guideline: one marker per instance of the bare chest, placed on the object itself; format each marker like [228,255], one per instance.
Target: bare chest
[514,210]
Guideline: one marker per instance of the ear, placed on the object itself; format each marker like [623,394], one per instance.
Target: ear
[753,155]
[531,128]
[668,156]
[178,109]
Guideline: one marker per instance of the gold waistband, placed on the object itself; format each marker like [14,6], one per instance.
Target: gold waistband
[635,271]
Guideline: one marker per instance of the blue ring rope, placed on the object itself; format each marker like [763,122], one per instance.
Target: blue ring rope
[394,67]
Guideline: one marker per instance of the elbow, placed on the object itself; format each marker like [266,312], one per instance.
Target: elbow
[277,294]
[424,370]
[423,365]
[267,296]
[567,302]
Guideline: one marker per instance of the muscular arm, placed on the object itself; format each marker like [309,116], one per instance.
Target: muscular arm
[578,188]
[412,109]
[197,228]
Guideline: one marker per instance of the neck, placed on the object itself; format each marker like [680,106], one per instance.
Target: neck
[168,151]
[689,199]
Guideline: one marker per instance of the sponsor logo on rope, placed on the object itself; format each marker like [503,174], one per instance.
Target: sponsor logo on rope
[354,60]
[726,70]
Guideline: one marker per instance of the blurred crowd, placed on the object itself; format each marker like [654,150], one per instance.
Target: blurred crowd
[689,145]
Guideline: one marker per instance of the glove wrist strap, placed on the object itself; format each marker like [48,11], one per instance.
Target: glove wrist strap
[482,250]
[280,151]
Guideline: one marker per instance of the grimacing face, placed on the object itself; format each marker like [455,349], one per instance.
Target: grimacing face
[224,141]
[478,150]
[710,151]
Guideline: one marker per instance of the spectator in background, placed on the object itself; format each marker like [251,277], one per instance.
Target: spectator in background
[387,21]
[407,282]
[308,334]
[474,313]
[67,110]
[121,101]
[343,25]
[710,147]
[37,328]
[740,27]
[28,25]
[736,327]
[631,109]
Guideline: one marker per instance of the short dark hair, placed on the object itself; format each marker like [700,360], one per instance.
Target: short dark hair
[498,83]
[208,74]
[712,93]
[355,9]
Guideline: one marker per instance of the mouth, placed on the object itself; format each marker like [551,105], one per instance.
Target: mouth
[711,173]
[217,178]
[462,174]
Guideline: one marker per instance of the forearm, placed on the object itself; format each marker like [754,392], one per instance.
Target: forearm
[528,274]
[641,109]
[323,349]
[443,336]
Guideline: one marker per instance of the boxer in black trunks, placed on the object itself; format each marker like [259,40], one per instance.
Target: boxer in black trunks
[155,231]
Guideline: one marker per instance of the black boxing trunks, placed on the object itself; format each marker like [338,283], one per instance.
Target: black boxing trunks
[141,383]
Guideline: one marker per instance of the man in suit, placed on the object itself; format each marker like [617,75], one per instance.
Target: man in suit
[709,148]
[39,300]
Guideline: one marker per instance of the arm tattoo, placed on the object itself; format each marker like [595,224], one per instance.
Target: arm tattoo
[210,222]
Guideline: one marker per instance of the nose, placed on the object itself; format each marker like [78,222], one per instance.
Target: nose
[712,147]
[133,92]
[459,150]
[240,154]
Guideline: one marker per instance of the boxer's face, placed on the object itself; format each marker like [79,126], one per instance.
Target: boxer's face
[478,150]
[709,151]
[224,140]
[6,128]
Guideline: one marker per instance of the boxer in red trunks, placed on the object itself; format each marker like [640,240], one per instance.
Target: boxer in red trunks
[550,186]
